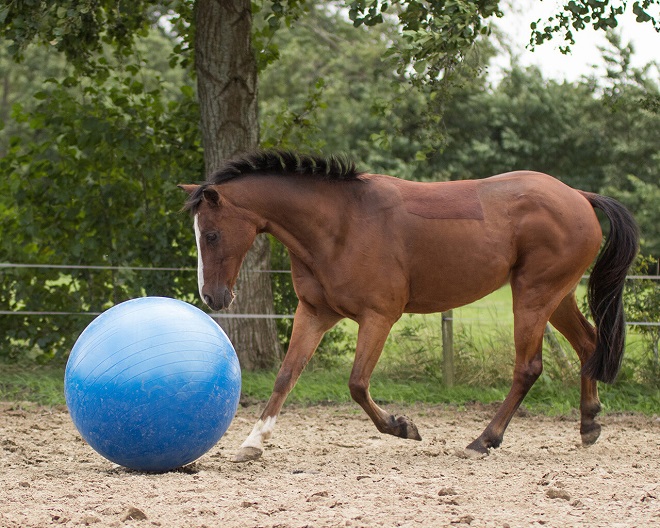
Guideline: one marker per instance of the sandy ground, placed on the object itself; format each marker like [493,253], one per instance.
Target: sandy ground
[328,466]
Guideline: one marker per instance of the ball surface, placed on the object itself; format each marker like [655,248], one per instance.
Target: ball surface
[152,384]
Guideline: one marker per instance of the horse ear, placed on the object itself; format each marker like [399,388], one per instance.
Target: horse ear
[188,188]
[211,196]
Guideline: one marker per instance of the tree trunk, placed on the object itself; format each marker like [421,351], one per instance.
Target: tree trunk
[227,87]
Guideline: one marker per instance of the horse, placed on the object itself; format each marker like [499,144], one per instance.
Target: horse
[371,247]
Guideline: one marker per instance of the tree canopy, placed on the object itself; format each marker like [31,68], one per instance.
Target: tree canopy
[97,135]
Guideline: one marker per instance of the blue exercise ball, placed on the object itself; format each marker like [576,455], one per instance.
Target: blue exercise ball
[152,384]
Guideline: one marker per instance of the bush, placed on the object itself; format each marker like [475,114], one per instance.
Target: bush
[94,183]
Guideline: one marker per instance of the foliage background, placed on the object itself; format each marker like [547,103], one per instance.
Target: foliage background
[91,156]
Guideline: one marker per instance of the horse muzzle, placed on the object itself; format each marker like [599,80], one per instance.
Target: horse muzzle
[219,299]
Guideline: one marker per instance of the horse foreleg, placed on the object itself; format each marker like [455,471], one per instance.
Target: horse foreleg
[308,329]
[372,335]
[528,336]
[568,319]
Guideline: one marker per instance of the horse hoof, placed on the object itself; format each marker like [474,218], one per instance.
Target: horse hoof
[471,454]
[590,436]
[476,449]
[407,429]
[245,454]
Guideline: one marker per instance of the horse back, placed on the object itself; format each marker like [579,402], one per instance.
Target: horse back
[513,199]
[461,240]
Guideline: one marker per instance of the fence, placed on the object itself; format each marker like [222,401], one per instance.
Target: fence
[446,318]
[9,265]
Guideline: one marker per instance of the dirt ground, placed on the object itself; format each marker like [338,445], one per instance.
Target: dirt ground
[328,466]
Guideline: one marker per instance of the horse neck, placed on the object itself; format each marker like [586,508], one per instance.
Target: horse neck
[300,211]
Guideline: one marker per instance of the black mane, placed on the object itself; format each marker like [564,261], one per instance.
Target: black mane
[278,162]
[285,162]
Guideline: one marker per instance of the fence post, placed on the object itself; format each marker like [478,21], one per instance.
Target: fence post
[448,348]
[557,350]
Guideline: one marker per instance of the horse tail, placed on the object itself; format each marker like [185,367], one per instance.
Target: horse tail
[605,289]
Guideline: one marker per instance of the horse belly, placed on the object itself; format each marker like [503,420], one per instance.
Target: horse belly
[455,265]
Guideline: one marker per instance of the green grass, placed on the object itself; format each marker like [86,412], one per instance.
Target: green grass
[546,397]
[38,384]
[45,386]
[410,369]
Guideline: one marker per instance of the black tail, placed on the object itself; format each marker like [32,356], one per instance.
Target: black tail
[606,289]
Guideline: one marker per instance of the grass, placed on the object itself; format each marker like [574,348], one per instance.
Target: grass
[38,384]
[410,369]
[547,396]
[45,386]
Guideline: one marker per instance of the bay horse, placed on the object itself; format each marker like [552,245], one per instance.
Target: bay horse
[371,247]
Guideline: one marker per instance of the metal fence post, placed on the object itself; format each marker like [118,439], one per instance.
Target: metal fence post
[448,348]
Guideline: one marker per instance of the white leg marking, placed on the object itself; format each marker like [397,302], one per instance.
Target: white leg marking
[200,264]
[261,432]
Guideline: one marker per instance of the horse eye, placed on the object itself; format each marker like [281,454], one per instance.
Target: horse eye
[211,237]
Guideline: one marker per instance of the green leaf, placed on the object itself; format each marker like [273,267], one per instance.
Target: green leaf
[420,66]
[188,91]
[274,22]
[372,21]
[4,11]
[136,87]
[642,16]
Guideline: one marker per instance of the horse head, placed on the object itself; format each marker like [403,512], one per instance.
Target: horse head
[224,234]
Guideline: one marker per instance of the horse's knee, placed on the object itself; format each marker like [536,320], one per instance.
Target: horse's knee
[535,367]
[283,382]
[530,372]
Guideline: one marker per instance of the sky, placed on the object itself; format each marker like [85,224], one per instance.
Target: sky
[519,14]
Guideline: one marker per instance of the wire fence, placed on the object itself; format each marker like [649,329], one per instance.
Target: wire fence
[215,315]
[12,265]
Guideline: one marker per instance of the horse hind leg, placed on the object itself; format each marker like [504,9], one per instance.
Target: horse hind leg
[532,308]
[572,324]
[528,336]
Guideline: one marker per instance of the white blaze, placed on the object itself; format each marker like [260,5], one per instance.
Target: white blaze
[200,264]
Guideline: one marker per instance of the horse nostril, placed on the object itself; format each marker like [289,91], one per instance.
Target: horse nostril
[208,300]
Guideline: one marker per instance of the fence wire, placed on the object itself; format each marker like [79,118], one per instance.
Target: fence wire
[10,265]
